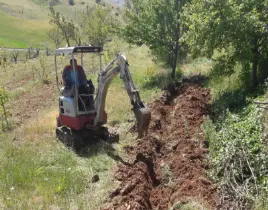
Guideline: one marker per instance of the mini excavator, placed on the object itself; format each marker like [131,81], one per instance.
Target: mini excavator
[76,125]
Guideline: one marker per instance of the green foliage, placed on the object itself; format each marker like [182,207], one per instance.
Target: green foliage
[229,98]
[66,27]
[55,35]
[98,24]
[41,2]
[14,55]
[157,24]
[42,71]
[4,114]
[238,154]
[26,174]
[153,78]
[53,2]
[238,28]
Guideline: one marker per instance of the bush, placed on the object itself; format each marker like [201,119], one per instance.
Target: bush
[71,2]
[42,69]
[53,2]
[229,99]
[4,113]
[238,154]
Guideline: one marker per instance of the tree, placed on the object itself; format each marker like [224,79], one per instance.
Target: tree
[128,4]
[55,35]
[53,2]
[66,27]
[98,24]
[30,53]
[71,2]
[15,55]
[237,28]
[3,110]
[78,36]
[157,24]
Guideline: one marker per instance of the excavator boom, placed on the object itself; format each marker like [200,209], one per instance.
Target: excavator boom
[141,112]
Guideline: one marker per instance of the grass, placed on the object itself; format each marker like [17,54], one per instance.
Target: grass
[18,33]
[200,66]
[23,9]
[189,205]
[46,176]
[38,172]
[25,23]
[235,139]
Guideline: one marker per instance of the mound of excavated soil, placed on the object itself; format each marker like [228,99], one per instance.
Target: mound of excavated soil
[170,163]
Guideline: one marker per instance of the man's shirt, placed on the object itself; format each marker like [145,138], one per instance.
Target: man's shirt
[79,78]
[74,77]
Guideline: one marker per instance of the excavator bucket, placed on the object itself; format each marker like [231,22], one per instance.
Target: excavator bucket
[143,117]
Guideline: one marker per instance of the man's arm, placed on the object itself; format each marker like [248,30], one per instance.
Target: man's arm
[91,87]
[82,76]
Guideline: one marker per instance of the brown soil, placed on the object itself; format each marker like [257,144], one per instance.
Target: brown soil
[28,104]
[170,163]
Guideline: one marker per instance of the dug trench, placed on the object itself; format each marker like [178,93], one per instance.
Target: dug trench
[169,164]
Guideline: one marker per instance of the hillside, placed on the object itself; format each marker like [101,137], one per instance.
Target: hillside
[20,33]
[25,23]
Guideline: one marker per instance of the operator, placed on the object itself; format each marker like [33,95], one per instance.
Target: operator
[69,77]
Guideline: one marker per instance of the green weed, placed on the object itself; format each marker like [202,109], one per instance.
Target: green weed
[238,154]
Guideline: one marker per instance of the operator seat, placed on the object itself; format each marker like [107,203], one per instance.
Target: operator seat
[86,96]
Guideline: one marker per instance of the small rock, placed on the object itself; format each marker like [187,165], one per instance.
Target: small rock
[95,178]
[114,193]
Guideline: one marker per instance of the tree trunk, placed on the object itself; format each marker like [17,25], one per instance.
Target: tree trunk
[68,42]
[255,64]
[254,72]
[176,52]
[178,34]
[4,113]
[174,64]
[78,41]
[47,51]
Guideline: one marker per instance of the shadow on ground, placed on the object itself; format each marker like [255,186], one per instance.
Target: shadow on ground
[101,146]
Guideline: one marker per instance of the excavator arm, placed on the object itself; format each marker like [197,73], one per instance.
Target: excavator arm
[120,66]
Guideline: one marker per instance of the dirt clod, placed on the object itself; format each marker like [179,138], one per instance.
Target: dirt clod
[170,165]
[95,178]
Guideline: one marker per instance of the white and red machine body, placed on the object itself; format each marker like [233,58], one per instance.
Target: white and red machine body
[71,118]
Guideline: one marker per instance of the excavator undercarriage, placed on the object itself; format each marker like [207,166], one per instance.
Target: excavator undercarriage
[78,139]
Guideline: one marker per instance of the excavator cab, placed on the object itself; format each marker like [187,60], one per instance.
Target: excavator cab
[76,119]
[74,111]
